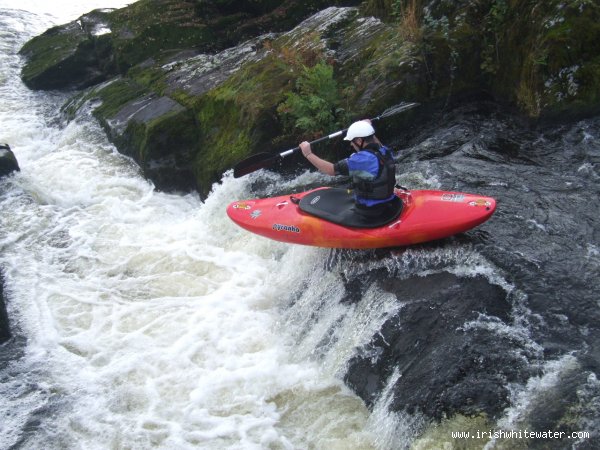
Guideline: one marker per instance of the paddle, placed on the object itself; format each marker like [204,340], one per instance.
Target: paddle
[265,160]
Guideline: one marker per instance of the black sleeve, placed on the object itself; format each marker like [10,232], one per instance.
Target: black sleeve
[341,168]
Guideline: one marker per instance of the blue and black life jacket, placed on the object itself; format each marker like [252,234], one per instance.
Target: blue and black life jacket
[380,188]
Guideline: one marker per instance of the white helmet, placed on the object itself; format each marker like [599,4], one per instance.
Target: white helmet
[362,128]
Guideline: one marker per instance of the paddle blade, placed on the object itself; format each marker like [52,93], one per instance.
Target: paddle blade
[254,163]
[397,109]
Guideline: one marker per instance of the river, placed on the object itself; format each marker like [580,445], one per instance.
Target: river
[143,319]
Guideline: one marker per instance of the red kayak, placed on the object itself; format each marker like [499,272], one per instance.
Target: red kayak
[327,217]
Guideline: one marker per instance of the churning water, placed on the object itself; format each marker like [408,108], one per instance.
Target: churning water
[142,319]
[148,320]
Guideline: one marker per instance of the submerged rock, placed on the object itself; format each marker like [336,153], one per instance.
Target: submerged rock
[8,161]
[4,325]
[438,350]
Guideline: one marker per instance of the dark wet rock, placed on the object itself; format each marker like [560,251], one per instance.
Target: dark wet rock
[440,347]
[75,55]
[4,325]
[8,164]
[8,161]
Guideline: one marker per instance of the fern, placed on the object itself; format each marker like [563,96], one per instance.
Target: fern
[314,106]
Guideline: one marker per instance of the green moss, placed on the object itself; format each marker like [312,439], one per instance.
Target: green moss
[183,98]
[115,95]
[223,145]
[238,118]
[49,49]
[170,136]
[149,27]
[149,76]
[144,14]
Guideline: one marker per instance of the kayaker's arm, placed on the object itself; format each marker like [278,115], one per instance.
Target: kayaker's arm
[322,165]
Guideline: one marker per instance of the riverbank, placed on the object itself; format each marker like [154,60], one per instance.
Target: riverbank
[189,95]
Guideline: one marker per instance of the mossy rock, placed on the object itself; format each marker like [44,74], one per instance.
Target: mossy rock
[541,57]
[160,134]
[570,71]
[164,147]
[222,106]
[104,43]
[148,28]
[71,55]
[203,113]
[547,57]
[239,118]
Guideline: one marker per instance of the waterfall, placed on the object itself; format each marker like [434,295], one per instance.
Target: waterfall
[142,319]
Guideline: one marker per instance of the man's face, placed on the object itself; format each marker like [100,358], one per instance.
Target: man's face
[356,144]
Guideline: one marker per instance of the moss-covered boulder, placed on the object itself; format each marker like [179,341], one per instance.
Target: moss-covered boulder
[188,117]
[75,55]
[8,161]
[107,42]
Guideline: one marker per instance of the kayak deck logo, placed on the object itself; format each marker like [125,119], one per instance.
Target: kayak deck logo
[289,228]
[453,198]
[242,205]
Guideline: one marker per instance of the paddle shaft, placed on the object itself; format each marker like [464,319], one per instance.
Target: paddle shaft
[316,141]
[264,160]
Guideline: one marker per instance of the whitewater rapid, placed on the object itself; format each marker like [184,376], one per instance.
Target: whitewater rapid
[148,319]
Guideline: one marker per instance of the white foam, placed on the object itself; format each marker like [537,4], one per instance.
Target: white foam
[61,11]
[151,319]
[523,396]
[394,430]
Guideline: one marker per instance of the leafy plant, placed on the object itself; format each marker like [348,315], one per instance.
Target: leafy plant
[493,27]
[314,107]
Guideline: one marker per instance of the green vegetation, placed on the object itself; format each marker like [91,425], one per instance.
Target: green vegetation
[115,95]
[239,117]
[540,56]
[494,28]
[314,107]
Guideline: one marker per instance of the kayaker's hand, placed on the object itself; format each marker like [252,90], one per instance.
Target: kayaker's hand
[305,147]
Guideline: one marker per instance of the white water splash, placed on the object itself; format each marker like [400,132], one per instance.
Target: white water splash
[151,320]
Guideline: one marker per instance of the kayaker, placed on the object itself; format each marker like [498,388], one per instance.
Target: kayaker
[371,167]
